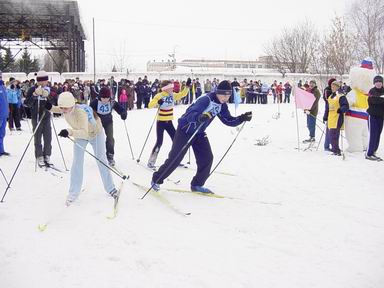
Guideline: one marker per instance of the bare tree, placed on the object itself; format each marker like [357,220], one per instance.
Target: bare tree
[367,19]
[293,50]
[56,60]
[338,47]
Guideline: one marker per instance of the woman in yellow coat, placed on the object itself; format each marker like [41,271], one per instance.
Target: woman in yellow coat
[335,108]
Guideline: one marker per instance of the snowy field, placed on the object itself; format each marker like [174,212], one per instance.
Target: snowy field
[300,219]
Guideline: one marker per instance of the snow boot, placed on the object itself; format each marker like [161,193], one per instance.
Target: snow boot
[155,186]
[311,139]
[40,161]
[200,189]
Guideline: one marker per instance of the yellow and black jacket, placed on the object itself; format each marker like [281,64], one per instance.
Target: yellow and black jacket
[166,109]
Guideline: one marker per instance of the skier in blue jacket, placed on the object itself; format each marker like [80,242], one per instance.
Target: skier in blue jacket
[3,115]
[198,116]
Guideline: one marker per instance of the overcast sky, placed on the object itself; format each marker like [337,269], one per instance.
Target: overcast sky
[139,31]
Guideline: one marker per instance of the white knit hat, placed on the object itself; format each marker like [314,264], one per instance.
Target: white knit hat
[66,100]
[41,76]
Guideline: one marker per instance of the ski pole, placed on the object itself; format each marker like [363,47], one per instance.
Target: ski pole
[321,137]
[149,132]
[124,177]
[22,157]
[177,156]
[129,141]
[230,146]
[189,156]
[58,142]
[5,178]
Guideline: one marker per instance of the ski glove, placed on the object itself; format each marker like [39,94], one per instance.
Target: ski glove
[339,111]
[161,101]
[204,117]
[247,116]
[189,81]
[48,105]
[123,115]
[64,133]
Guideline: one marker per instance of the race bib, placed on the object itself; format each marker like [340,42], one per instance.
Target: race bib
[103,108]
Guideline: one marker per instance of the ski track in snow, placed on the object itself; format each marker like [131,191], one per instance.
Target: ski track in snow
[303,219]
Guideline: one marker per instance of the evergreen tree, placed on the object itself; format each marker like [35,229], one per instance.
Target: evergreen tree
[9,61]
[1,62]
[26,64]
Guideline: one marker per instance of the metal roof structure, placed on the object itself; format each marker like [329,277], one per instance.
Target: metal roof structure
[45,24]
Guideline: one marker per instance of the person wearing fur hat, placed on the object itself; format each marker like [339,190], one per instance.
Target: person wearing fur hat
[335,108]
[196,119]
[85,128]
[3,115]
[165,100]
[103,106]
[376,117]
[36,99]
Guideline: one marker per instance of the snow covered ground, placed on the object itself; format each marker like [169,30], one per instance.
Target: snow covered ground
[300,219]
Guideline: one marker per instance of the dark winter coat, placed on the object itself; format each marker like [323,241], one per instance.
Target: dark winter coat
[104,110]
[36,103]
[315,106]
[376,102]
[206,104]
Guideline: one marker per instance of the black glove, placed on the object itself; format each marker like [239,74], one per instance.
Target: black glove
[189,81]
[48,105]
[339,111]
[204,117]
[161,101]
[12,86]
[17,86]
[123,115]
[64,133]
[247,116]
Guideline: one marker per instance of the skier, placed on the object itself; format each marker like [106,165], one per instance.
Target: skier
[86,128]
[103,107]
[166,100]
[37,97]
[3,115]
[196,119]
[376,117]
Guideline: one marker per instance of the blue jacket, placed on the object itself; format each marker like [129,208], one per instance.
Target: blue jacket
[206,103]
[3,102]
[13,95]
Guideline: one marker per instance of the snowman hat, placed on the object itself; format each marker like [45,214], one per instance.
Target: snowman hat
[367,63]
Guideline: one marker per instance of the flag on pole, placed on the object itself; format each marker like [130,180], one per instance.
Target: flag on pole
[236,97]
[304,100]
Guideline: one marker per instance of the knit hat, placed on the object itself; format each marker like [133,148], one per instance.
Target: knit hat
[336,83]
[66,100]
[42,76]
[367,63]
[378,78]
[224,88]
[330,81]
[105,92]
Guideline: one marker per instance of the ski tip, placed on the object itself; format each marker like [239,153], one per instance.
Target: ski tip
[42,227]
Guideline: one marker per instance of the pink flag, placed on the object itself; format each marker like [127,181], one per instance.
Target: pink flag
[304,99]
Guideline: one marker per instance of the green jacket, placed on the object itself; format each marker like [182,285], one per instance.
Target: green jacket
[315,106]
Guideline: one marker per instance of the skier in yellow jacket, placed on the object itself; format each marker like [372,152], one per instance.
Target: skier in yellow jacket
[165,100]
